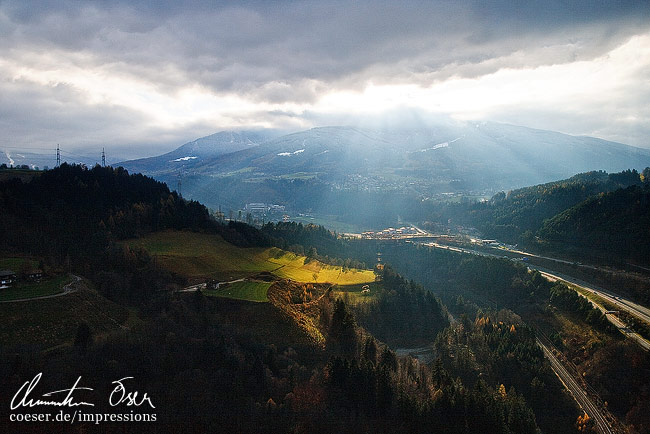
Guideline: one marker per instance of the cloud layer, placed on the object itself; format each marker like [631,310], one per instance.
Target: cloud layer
[159,73]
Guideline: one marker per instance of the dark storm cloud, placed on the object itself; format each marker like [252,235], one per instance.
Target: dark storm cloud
[259,47]
[280,51]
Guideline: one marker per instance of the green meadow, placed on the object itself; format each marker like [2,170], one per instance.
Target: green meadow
[246,290]
[353,294]
[200,256]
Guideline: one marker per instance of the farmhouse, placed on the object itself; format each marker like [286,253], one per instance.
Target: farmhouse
[7,277]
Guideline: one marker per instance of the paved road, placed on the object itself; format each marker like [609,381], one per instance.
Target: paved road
[621,303]
[629,306]
[601,424]
[67,289]
[639,311]
[622,327]
[457,249]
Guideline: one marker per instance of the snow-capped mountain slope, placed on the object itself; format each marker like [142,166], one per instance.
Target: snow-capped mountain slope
[237,167]
[482,155]
[197,151]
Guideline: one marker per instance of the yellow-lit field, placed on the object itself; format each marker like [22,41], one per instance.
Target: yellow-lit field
[201,256]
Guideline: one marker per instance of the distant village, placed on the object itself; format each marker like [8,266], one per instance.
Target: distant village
[392,233]
[255,213]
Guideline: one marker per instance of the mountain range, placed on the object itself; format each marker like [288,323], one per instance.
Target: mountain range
[236,167]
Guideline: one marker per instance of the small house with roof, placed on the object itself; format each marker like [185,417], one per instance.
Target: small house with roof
[7,277]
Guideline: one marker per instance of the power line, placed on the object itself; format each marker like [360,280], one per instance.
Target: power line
[62,155]
[60,152]
[86,157]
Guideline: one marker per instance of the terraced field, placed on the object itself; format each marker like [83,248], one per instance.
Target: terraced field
[200,256]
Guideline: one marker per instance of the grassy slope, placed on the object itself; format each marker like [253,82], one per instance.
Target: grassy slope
[199,256]
[29,289]
[352,294]
[15,263]
[54,321]
[247,290]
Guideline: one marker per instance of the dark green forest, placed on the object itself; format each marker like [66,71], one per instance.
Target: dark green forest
[404,314]
[616,223]
[514,216]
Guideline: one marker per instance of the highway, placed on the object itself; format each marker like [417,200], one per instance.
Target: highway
[622,327]
[601,424]
[621,303]
[456,249]
[641,312]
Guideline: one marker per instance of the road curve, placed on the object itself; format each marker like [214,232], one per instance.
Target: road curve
[639,311]
[67,289]
[601,424]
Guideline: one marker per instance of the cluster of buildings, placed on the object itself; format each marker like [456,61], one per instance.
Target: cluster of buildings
[391,233]
[263,208]
[9,277]
[254,213]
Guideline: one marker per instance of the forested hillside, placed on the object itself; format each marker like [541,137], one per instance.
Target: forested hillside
[612,224]
[470,285]
[518,215]
[258,364]
[50,214]
[72,216]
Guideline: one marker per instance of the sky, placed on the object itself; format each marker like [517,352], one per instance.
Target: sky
[143,77]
